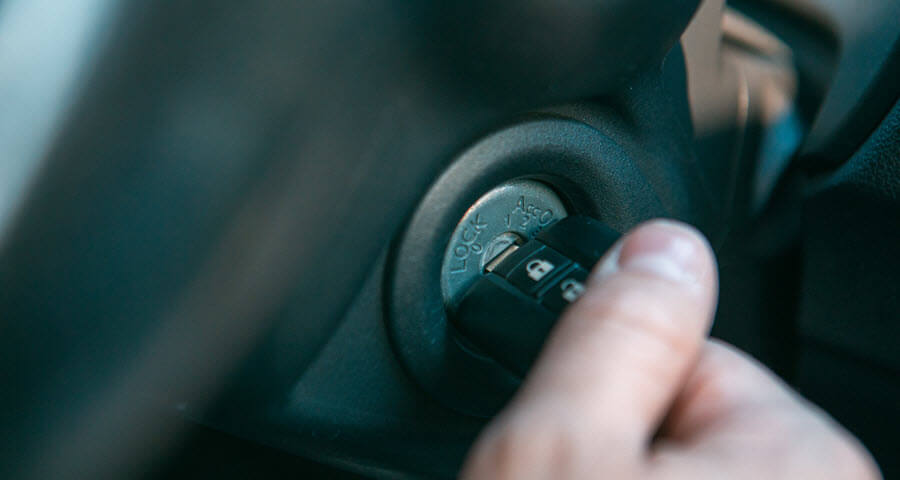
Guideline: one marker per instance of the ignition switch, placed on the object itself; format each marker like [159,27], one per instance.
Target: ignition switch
[508,215]
[514,262]
[491,201]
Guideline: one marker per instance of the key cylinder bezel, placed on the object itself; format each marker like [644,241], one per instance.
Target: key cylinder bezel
[591,174]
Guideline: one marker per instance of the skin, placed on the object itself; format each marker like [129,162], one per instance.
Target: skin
[630,387]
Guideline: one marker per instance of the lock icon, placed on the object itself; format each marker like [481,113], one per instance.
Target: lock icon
[538,269]
[571,289]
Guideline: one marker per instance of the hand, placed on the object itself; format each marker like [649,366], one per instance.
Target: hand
[629,387]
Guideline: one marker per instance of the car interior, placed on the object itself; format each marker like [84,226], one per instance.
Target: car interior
[272,238]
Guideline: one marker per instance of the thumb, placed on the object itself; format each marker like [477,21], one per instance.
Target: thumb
[618,357]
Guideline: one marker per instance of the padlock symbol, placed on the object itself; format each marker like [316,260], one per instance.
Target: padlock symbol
[538,269]
[571,289]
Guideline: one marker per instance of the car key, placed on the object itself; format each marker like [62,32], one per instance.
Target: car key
[509,312]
